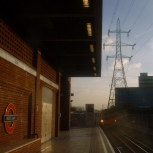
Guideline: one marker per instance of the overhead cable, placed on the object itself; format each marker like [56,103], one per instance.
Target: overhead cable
[140,14]
[147,30]
[128,12]
[114,14]
[142,46]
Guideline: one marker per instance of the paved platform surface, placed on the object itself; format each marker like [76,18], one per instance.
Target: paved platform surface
[78,140]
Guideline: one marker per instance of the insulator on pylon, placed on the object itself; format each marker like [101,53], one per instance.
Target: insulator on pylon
[128,33]
[104,46]
[133,46]
[130,58]
[108,32]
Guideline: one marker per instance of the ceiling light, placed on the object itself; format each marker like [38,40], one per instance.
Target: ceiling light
[94,68]
[91,48]
[86,3]
[89,30]
[93,60]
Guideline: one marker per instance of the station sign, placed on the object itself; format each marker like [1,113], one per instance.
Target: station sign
[9,120]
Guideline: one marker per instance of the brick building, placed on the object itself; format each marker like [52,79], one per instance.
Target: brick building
[35,84]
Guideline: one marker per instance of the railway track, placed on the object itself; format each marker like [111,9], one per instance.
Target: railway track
[143,134]
[123,143]
[135,127]
[138,129]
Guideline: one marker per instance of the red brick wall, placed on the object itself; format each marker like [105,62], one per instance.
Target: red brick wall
[48,71]
[16,86]
[13,44]
[33,147]
[22,89]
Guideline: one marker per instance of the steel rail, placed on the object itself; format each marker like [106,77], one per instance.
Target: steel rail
[133,140]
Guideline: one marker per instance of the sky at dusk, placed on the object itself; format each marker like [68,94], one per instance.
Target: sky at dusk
[134,15]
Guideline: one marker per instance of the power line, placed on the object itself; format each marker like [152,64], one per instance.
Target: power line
[144,32]
[135,23]
[128,12]
[146,29]
[139,14]
[114,14]
[142,45]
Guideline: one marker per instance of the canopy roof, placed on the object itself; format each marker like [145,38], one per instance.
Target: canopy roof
[68,33]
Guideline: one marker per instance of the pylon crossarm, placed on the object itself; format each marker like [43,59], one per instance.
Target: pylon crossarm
[125,44]
[114,31]
[119,31]
[122,31]
[113,56]
[123,56]
[111,44]
[114,44]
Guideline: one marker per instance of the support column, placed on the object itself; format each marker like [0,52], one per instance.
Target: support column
[38,103]
[57,115]
[65,104]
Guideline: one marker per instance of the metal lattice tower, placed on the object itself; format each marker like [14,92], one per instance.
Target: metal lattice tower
[119,78]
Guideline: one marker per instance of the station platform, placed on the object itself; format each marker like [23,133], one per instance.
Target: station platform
[79,140]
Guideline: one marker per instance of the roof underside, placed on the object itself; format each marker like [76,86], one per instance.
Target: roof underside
[59,29]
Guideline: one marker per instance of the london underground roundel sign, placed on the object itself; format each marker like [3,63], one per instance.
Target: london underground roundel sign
[9,120]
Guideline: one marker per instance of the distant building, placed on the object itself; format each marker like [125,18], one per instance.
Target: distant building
[90,115]
[78,119]
[145,80]
[136,96]
[141,96]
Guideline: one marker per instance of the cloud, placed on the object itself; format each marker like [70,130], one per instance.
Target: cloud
[136,65]
[111,67]
[134,70]
[112,62]
[104,37]
[133,73]
[108,40]
[125,61]
[132,81]
[85,90]
[150,44]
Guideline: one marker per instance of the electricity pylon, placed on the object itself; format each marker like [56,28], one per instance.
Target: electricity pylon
[119,78]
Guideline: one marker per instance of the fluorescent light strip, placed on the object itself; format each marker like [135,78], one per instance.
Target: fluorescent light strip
[94,68]
[86,3]
[89,30]
[91,48]
[93,60]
